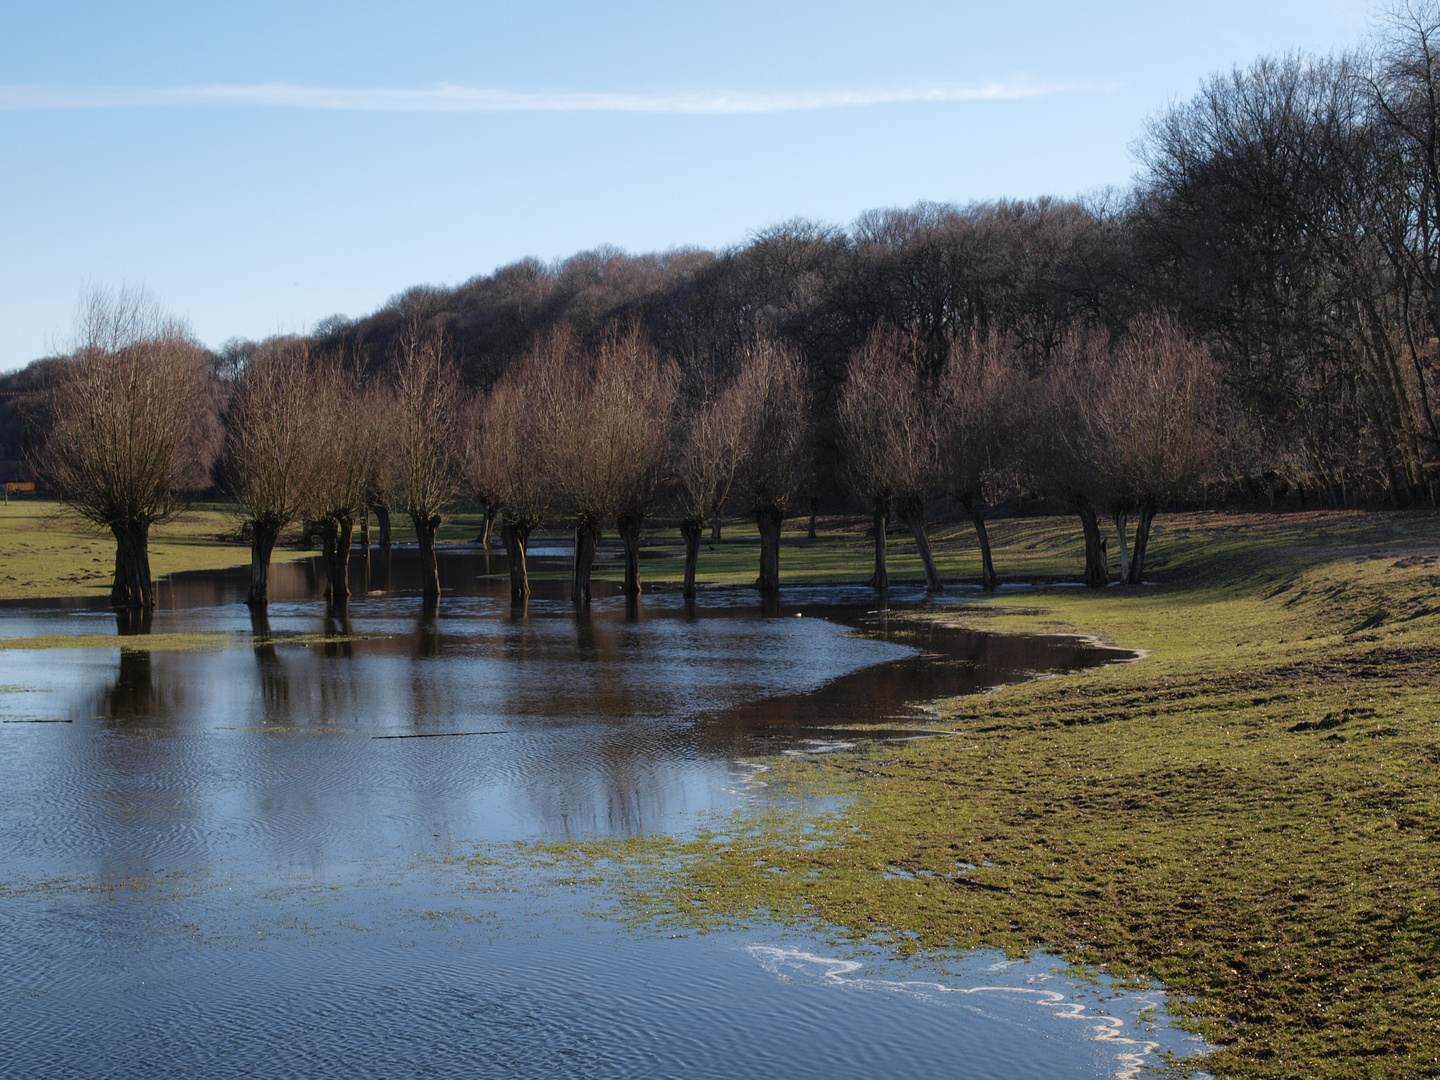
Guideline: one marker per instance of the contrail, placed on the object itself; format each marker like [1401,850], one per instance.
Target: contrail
[450,98]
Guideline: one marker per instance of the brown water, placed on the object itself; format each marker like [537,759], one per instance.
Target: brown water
[283,784]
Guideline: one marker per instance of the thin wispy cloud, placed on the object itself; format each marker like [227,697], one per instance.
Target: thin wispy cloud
[448,98]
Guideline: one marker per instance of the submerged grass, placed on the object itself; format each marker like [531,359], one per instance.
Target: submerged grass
[1249,816]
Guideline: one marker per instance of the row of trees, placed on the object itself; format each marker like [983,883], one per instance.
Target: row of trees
[596,436]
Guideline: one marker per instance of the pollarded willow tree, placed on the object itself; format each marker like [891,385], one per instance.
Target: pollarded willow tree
[270,451]
[890,420]
[773,397]
[637,393]
[978,409]
[430,415]
[1063,459]
[1150,426]
[608,418]
[345,428]
[709,449]
[512,464]
[131,428]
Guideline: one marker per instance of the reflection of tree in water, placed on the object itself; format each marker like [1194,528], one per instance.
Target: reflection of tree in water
[337,629]
[274,676]
[427,628]
[133,693]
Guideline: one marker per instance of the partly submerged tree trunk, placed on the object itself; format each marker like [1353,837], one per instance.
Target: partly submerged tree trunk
[382,515]
[262,543]
[1122,521]
[691,529]
[880,579]
[989,580]
[630,534]
[769,519]
[425,529]
[587,537]
[516,537]
[912,512]
[487,524]
[1097,564]
[1142,542]
[365,544]
[133,587]
[339,536]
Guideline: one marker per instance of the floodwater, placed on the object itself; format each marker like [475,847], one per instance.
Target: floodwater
[243,860]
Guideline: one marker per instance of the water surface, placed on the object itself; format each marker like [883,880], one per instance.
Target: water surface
[231,860]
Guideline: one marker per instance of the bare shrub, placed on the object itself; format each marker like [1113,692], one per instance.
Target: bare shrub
[131,428]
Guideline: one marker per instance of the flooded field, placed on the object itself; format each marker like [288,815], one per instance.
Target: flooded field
[239,857]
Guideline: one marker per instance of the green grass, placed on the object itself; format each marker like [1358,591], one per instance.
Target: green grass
[45,552]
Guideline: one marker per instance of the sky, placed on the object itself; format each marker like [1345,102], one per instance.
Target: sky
[261,166]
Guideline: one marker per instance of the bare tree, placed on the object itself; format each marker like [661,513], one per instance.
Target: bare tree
[1150,423]
[513,465]
[343,429]
[638,394]
[270,452]
[709,448]
[131,428]
[774,399]
[429,401]
[1063,459]
[980,379]
[890,423]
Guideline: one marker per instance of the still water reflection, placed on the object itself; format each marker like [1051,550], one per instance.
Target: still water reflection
[351,749]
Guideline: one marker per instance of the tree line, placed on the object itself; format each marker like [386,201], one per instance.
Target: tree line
[1257,318]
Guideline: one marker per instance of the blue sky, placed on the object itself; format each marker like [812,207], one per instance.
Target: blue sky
[260,166]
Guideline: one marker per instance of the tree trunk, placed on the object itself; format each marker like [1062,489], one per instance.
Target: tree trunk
[133,587]
[327,529]
[1097,564]
[382,515]
[1142,542]
[586,537]
[516,537]
[487,524]
[425,529]
[814,510]
[912,512]
[989,580]
[630,534]
[339,537]
[1122,520]
[365,544]
[769,519]
[715,529]
[691,529]
[880,579]
[262,543]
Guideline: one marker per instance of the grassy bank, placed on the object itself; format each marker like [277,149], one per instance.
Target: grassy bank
[1250,815]
[45,552]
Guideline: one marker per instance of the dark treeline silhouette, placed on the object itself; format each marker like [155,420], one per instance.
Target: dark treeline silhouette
[1256,320]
